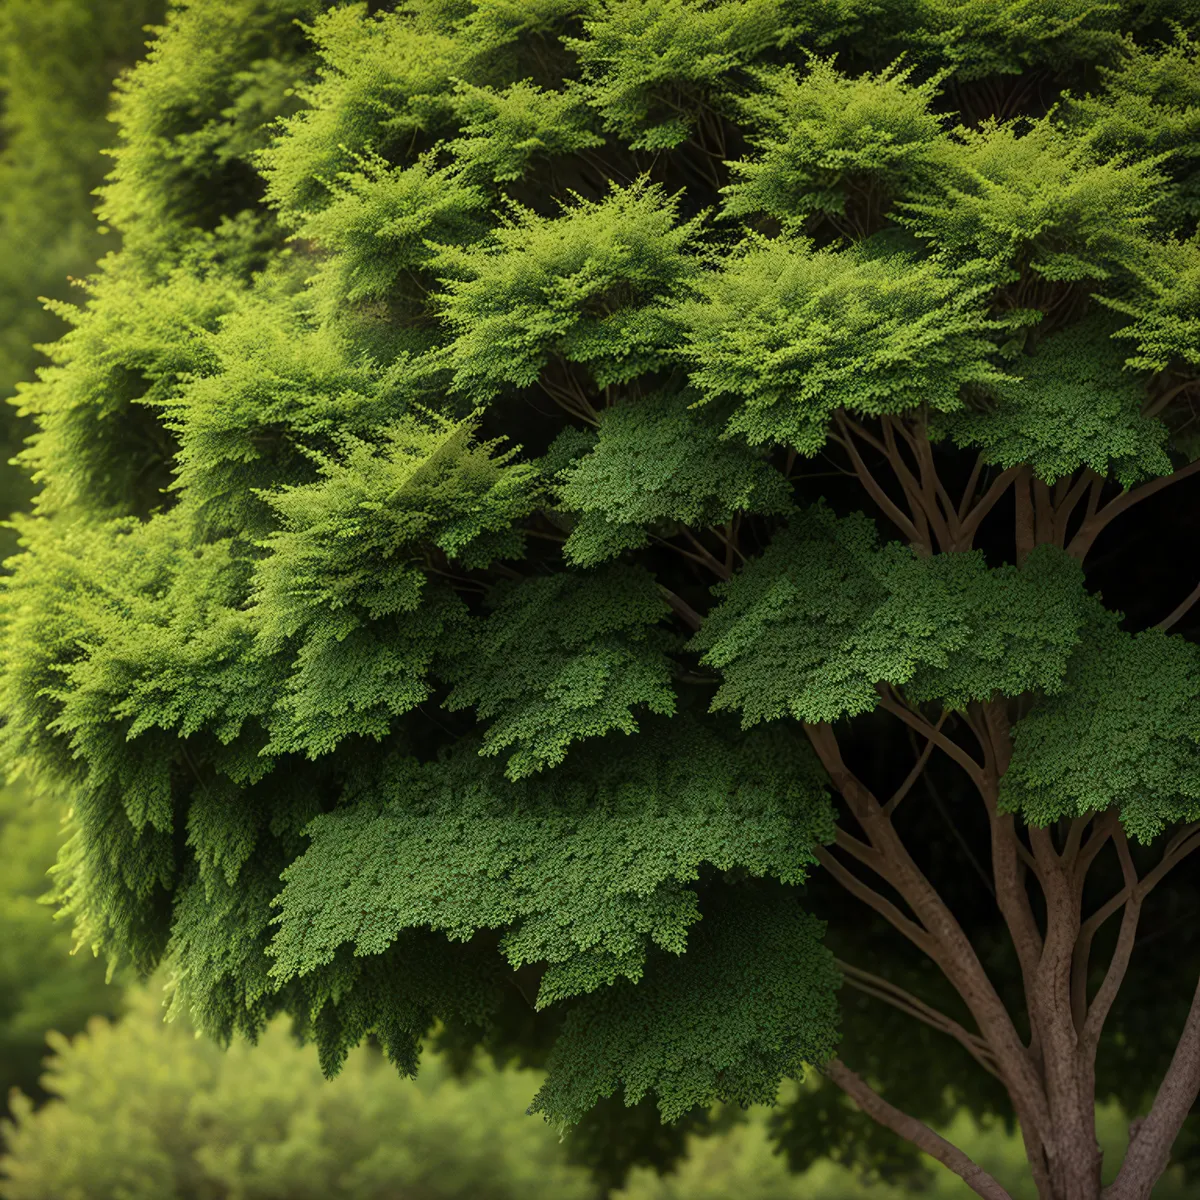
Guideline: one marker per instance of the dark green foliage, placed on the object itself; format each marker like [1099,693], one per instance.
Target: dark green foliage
[826,614]
[486,397]
[1123,733]
[1072,405]
[696,1029]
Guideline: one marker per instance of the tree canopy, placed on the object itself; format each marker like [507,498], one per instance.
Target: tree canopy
[557,506]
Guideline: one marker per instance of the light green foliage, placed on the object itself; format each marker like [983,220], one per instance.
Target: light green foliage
[378,224]
[505,132]
[1009,196]
[561,658]
[656,463]
[695,1030]
[128,350]
[1123,732]
[826,613]
[387,85]
[347,560]
[1166,312]
[824,138]
[585,287]
[1150,104]
[192,117]
[794,334]
[57,65]
[653,67]
[586,872]
[144,1111]
[1070,404]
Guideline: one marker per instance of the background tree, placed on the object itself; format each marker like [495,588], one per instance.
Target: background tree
[600,486]
[58,61]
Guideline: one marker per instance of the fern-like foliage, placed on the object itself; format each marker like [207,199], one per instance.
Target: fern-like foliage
[585,871]
[1071,404]
[826,139]
[587,287]
[826,614]
[561,658]
[694,1031]
[794,334]
[655,464]
[1122,733]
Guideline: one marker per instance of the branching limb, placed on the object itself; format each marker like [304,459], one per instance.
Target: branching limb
[1097,1014]
[915,774]
[1150,1147]
[1181,845]
[875,490]
[890,993]
[881,904]
[973,519]
[1096,521]
[889,701]
[914,1131]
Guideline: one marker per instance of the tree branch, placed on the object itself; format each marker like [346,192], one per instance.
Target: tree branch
[915,774]
[1095,522]
[1150,1147]
[914,1131]
[876,492]
[927,730]
[1093,1024]
[1181,610]
[883,906]
[905,1002]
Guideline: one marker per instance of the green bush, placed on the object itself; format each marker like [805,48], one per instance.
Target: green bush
[144,1110]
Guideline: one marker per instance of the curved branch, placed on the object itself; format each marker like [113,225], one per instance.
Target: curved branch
[1180,846]
[905,1002]
[1150,1146]
[1096,522]
[914,1131]
[973,769]
[919,937]
[876,492]
[1097,1014]
[1181,610]
[915,774]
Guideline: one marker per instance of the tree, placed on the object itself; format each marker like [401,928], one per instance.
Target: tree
[145,1111]
[559,511]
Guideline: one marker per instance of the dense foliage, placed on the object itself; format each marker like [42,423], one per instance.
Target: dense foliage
[449,588]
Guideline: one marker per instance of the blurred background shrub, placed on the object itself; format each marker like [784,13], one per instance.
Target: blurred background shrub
[146,1111]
